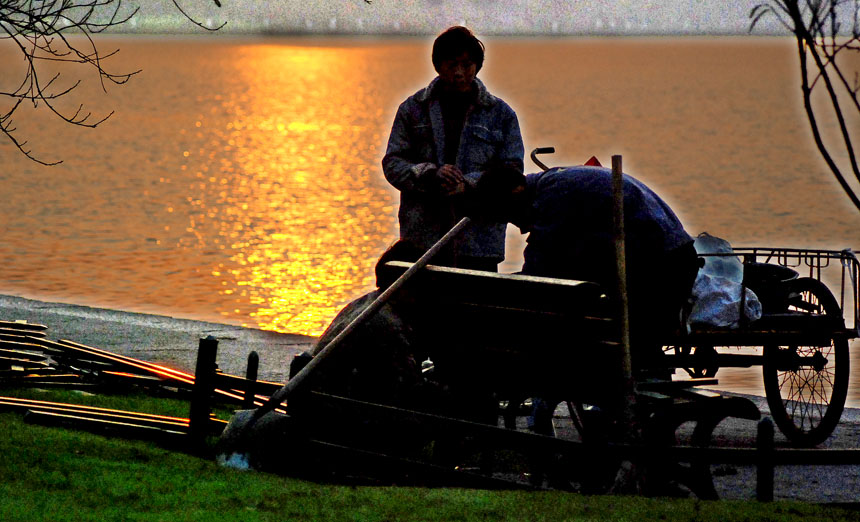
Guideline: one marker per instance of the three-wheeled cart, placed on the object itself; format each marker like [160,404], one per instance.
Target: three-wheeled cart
[801,340]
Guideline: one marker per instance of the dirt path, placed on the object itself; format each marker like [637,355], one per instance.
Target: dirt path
[808,483]
[828,484]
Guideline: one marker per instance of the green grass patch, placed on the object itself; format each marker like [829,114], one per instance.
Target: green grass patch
[59,474]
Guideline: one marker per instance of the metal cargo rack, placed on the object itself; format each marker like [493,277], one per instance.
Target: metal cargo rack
[801,340]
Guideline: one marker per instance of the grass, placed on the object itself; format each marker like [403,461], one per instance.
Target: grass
[58,474]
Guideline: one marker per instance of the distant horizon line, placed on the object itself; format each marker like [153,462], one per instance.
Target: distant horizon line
[423,34]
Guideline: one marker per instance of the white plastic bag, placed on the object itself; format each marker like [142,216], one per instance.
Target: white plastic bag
[717,303]
[729,267]
[717,291]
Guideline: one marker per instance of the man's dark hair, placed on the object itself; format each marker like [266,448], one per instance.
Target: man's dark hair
[402,250]
[500,180]
[499,194]
[456,41]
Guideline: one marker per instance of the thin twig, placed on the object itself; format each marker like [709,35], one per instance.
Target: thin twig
[40,29]
[820,34]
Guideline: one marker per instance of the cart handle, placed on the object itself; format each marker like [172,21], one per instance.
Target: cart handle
[541,150]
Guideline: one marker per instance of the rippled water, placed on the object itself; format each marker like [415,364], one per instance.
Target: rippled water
[239,180]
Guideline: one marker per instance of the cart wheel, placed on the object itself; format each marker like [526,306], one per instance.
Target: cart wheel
[806,401]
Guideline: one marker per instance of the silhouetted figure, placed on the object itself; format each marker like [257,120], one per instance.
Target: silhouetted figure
[443,137]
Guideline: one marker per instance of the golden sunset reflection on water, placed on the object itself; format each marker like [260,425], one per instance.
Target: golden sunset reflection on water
[295,197]
[240,182]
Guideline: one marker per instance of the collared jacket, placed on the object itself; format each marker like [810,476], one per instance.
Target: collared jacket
[571,236]
[416,148]
[570,226]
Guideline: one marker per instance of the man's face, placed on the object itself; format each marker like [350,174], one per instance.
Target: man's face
[458,73]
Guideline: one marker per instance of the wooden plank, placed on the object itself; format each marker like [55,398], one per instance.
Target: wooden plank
[8,361]
[23,337]
[667,386]
[44,345]
[81,363]
[24,370]
[700,394]
[114,416]
[653,396]
[234,382]
[129,379]
[710,360]
[23,325]
[104,427]
[62,380]
[515,291]
[78,355]
[17,371]
[21,354]
[22,405]
[17,331]
[47,378]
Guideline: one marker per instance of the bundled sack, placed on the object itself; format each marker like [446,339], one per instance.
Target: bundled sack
[716,293]
[728,267]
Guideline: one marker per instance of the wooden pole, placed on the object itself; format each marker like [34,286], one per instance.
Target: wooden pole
[621,271]
[204,385]
[629,478]
[764,467]
[251,376]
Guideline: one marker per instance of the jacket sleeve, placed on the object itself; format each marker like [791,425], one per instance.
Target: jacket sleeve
[402,165]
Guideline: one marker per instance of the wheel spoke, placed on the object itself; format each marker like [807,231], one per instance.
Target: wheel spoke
[807,399]
[807,392]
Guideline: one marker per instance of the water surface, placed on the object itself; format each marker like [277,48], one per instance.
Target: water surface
[239,180]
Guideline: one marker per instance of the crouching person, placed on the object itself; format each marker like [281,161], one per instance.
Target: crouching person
[568,214]
[381,360]
[378,361]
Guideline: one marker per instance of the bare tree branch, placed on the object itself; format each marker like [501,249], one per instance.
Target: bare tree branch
[825,30]
[195,22]
[60,32]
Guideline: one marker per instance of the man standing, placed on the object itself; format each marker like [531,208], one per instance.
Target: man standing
[442,138]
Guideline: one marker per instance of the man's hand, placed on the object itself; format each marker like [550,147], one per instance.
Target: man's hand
[451,179]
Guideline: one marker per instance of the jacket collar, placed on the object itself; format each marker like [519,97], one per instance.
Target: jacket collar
[433,90]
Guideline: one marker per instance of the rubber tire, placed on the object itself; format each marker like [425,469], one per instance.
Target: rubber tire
[809,422]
